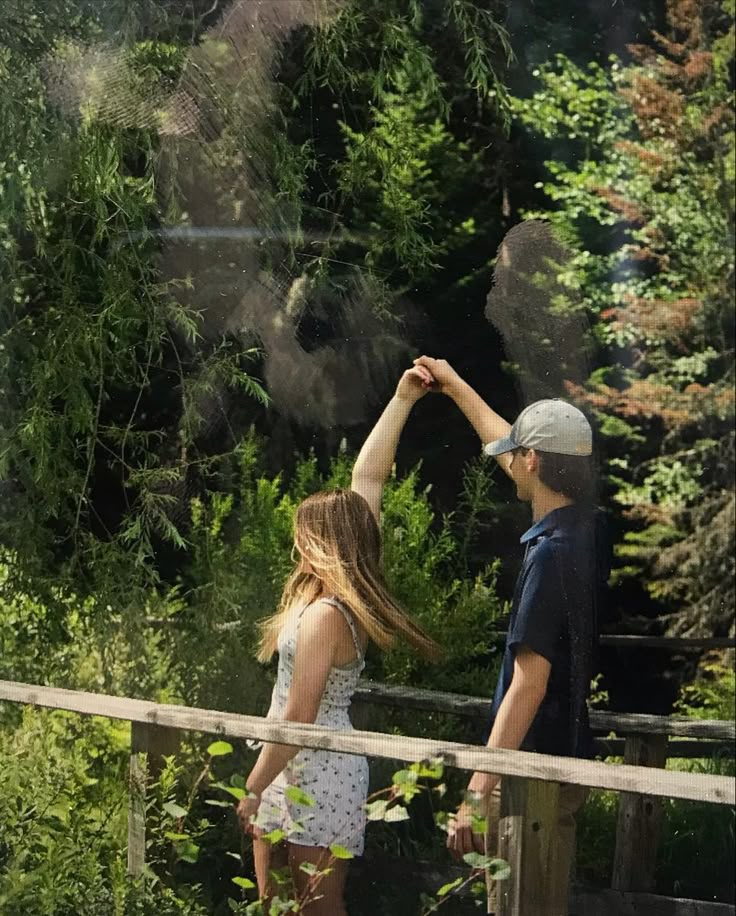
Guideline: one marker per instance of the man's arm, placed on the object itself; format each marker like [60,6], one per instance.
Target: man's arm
[517,710]
[489,425]
[513,721]
[373,465]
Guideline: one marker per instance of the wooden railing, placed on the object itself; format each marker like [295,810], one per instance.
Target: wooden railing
[644,740]
[611,640]
[530,784]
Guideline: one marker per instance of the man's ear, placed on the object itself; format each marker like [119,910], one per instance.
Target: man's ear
[532,461]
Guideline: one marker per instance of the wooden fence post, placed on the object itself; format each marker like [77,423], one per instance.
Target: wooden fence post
[529,813]
[137,799]
[639,820]
[148,746]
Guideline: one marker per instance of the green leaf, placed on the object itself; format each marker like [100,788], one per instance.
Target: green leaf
[376,811]
[405,778]
[245,883]
[296,795]
[217,803]
[235,791]
[442,819]
[446,888]
[309,868]
[188,852]
[274,837]
[339,852]
[174,810]
[499,869]
[219,749]
[176,836]
[428,769]
[396,814]
[476,860]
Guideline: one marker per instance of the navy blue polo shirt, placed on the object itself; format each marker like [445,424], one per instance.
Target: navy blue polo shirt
[553,613]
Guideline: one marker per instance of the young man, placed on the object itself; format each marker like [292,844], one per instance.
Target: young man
[540,702]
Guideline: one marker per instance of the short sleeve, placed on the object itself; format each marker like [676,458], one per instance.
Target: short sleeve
[540,618]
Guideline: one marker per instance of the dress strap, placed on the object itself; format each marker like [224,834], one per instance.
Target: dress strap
[335,602]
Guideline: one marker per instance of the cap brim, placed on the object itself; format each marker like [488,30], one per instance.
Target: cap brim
[499,447]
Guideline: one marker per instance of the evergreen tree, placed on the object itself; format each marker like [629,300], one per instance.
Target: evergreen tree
[647,203]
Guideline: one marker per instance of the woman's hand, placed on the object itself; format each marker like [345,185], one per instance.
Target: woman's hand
[246,809]
[414,384]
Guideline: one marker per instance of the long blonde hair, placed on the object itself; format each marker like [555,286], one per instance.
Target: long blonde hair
[337,534]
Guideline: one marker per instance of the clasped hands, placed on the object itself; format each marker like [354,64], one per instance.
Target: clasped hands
[427,374]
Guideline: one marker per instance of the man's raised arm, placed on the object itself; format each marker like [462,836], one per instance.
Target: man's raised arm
[484,420]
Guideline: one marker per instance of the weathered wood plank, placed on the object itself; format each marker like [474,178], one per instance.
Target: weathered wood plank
[618,640]
[677,748]
[672,643]
[529,814]
[479,707]
[138,777]
[617,903]
[639,820]
[619,778]
[676,726]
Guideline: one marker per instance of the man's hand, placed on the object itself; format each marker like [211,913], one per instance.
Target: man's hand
[445,378]
[461,839]
[414,384]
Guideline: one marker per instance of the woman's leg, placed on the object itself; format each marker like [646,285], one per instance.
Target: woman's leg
[327,893]
[268,858]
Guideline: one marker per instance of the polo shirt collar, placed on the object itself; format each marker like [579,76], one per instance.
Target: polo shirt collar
[550,521]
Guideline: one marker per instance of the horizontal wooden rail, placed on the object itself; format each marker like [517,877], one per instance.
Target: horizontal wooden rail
[619,778]
[671,643]
[676,749]
[622,640]
[600,721]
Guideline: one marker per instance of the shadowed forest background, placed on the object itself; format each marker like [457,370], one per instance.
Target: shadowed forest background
[225,230]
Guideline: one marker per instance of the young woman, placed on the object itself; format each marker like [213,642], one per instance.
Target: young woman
[334,603]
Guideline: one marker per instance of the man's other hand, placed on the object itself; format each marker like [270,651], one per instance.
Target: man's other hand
[460,836]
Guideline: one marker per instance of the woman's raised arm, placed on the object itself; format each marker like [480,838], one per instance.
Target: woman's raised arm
[373,464]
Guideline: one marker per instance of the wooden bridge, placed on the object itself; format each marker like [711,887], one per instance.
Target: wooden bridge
[530,784]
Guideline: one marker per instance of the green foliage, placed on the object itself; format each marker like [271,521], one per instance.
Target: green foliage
[641,189]
[398,158]
[63,807]
[424,567]
[712,695]
[397,172]
[89,330]
[710,830]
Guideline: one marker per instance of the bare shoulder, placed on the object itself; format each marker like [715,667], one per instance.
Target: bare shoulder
[326,622]
[323,616]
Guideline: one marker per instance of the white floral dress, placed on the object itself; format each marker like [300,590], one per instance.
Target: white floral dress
[337,783]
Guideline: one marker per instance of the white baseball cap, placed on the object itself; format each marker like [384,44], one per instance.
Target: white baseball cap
[551,425]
